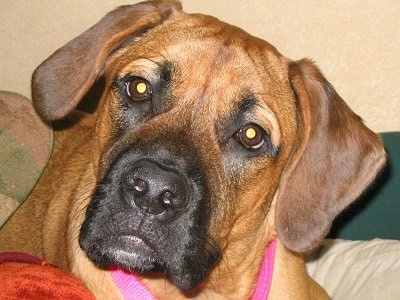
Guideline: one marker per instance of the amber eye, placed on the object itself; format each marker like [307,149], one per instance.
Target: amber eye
[251,136]
[139,89]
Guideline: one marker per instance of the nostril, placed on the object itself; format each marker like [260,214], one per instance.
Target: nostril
[169,199]
[138,186]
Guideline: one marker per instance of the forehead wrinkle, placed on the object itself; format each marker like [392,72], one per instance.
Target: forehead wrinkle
[200,89]
[208,89]
[225,71]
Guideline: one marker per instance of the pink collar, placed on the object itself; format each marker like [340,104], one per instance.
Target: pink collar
[265,274]
[132,289]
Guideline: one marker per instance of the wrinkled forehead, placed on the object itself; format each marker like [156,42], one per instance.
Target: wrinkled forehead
[214,66]
[207,54]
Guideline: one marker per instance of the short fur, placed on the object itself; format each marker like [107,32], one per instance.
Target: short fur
[209,80]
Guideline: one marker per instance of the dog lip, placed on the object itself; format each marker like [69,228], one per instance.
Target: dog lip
[125,250]
[131,253]
[134,242]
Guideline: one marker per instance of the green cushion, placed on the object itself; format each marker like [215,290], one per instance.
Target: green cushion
[377,213]
[26,144]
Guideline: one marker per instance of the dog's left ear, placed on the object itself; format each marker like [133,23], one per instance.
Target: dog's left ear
[335,158]
[62,80]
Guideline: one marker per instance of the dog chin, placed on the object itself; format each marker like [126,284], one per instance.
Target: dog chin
[132,254]
[126,252]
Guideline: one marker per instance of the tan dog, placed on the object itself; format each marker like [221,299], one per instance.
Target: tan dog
[207,145]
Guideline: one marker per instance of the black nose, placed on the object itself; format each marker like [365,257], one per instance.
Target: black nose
[155,189]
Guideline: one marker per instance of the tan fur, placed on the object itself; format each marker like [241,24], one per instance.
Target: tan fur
[264,198]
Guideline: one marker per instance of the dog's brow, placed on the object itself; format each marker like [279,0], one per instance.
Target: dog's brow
[247,103]
[166,70]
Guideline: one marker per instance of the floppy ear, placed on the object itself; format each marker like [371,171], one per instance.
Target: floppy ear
[335,159]
[61,81]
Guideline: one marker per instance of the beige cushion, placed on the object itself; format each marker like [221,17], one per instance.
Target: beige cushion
[358,269]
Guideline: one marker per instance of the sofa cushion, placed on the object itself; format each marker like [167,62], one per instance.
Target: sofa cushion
[26,143]
[358,270]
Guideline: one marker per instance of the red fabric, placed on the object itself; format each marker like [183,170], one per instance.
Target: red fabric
[36,279]
[21,257]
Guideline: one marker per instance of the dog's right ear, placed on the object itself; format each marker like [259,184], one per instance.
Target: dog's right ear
[62,80]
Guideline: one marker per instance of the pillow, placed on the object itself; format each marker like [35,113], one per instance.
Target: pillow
[26,144]
[358,269]
[26,277]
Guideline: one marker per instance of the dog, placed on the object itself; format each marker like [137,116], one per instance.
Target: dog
[207,148]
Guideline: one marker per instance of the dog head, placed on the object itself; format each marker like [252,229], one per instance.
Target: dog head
[208,142]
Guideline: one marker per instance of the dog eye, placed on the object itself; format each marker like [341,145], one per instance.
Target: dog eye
[139,89]
[250,136]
